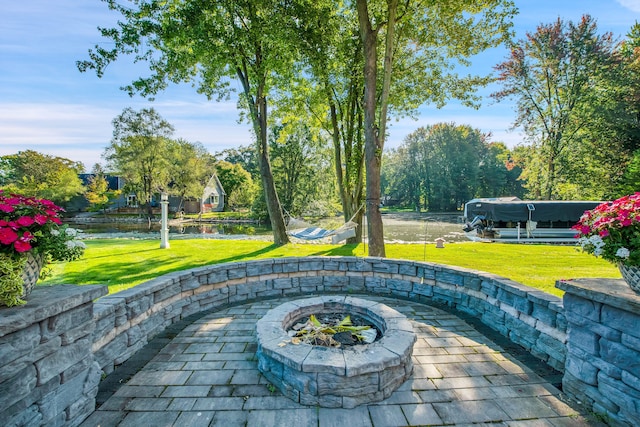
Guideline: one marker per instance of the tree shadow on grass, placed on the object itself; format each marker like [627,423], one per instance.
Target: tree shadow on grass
[161,264]
[350,249]
[241,257]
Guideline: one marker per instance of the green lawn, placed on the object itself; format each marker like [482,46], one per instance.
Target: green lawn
[121,263]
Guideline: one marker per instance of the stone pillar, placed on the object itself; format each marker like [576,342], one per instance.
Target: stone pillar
[603,360]
[48,375]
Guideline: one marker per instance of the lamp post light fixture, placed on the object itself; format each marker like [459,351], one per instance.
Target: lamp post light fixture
[164,227]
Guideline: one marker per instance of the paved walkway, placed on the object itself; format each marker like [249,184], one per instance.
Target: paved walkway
[207,376]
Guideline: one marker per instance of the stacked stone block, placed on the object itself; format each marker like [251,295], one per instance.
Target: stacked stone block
[128,320]
[335,377]
[48,375]
[38,339]
[603,361]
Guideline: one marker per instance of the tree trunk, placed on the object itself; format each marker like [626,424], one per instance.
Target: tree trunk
[258,109]
[373,149]
[551,178]
[276,217]
[349,188]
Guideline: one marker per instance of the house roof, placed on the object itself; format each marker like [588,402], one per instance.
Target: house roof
[213,184]
[113,182]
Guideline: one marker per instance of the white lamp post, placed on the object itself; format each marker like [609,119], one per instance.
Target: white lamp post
[164,227]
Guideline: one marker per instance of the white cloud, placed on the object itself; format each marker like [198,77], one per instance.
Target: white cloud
[633,5]
[81,132]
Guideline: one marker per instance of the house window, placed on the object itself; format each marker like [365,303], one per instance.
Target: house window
[132,201]
[216,199]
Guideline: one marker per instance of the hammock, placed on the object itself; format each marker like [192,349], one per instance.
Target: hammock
[315,233]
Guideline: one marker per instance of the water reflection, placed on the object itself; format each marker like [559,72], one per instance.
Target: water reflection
[177,229]
[411,228]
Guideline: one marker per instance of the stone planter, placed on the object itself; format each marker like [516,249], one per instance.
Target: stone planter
[631,275]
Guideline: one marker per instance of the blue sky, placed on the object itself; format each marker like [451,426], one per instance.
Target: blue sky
[47,105]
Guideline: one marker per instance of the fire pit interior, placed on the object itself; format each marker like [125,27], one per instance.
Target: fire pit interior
[335,376]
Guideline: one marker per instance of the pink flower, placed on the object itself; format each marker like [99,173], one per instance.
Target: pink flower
[7,236]
[604,233]
[40,219]
[13,201]
[6,208]
[25,221]
[22,246]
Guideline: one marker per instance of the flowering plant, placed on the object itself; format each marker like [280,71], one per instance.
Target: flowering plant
[612,230]
[31,225]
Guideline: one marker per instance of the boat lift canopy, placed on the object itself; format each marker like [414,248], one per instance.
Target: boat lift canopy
[527,210]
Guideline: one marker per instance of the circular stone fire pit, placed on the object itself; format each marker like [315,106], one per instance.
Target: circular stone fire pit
[335,377]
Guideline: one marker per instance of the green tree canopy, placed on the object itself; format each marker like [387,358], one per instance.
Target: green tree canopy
[237,184]
[141,152]
[97,192]
[411,50]
[301,166]
[553,75]
[441,167]
[40,175]
[190,170]
[209,44]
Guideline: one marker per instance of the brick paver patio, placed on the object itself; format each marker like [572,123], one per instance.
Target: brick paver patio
[207,375]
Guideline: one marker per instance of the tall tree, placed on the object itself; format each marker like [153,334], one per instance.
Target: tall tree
[329,89]
[244,156]
[441,167]
[415,45]
[552,75]
[209,44]
[237,183]
[499,174]
[612,139]
[40,175]
[98,193]
[300,165]
[191,168]
[141,151]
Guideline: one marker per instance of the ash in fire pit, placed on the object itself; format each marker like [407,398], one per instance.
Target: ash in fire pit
[332,376]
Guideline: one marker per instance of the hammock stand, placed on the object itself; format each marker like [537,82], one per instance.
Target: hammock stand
[315,233]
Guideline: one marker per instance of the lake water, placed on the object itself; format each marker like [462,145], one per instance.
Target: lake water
[408,228]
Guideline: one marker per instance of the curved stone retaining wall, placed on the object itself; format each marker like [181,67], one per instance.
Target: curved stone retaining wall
[52,351]
[126,321]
